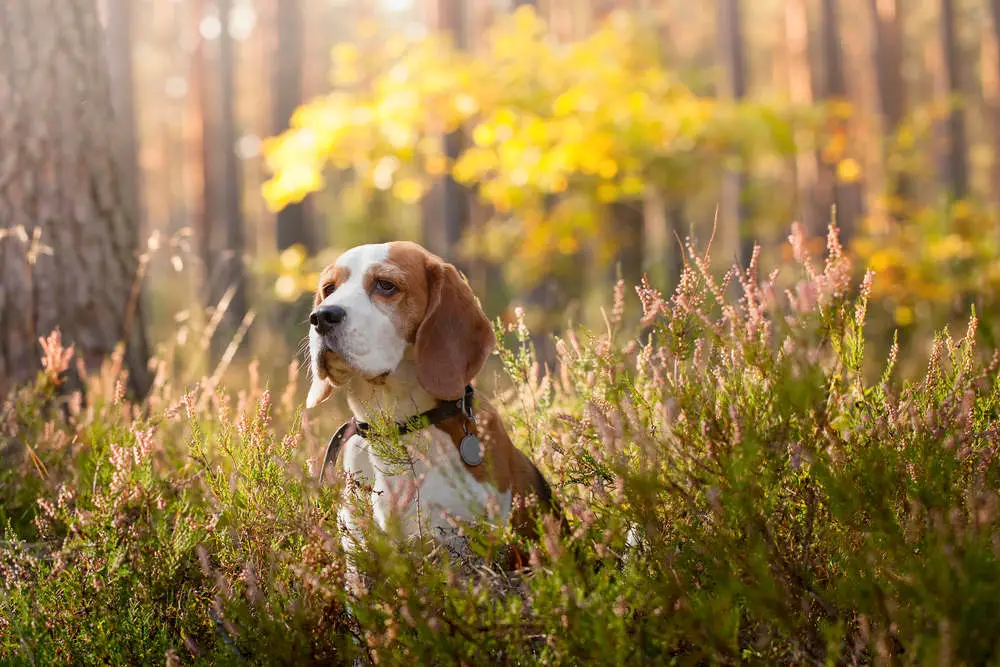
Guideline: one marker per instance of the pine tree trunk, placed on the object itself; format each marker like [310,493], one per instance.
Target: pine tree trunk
[889,74]
[628,217]
[119,55]
[800,83]
[205,188]
[60,180]
[847,196]
[956,173]
[990,68]
[233,273]
[455,202]
[628,227]
[732,55]
[293,224]
[445,207]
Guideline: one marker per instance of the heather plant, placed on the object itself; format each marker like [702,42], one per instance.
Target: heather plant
[738,489]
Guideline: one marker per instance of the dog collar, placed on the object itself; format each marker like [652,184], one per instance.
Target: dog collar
[470,448]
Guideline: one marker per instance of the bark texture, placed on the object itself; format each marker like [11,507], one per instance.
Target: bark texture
[60,181]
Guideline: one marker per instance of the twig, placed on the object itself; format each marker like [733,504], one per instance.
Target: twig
[227,358]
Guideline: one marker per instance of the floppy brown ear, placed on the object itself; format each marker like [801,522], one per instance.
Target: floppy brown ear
[455,338]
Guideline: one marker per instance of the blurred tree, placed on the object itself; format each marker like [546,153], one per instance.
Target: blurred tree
[204,106]
[733,86]
[670,213]
[119,33]
[800,84]
[955,171]
[232,273]
[846,193]
[559,132]
[452,215]
[991,91]
[548,295]
[891,84]
[69,243]
[294,223]
[627,215]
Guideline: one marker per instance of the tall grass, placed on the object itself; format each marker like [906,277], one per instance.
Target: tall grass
[738,491]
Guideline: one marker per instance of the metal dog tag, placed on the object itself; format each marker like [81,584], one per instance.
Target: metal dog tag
[471,450]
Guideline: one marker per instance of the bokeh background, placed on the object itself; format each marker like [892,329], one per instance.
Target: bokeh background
[549,147]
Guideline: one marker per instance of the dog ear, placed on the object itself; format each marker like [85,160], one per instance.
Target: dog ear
[455,337]
[319,391]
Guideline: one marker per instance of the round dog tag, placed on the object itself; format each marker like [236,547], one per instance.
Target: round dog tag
[471,450]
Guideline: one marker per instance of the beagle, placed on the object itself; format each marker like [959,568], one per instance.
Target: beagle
[401,331]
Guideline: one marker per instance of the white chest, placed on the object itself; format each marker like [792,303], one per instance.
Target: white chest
[424,494]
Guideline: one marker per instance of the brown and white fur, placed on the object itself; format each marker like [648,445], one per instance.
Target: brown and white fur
[410,334]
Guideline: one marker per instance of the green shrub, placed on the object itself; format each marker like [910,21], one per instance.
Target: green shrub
[738,491]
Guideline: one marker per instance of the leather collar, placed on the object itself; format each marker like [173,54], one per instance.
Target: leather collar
[442,411]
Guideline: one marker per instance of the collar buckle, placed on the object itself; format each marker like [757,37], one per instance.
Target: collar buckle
[465,404]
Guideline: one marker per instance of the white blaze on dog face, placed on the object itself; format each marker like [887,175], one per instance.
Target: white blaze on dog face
[389,297]
[366,341]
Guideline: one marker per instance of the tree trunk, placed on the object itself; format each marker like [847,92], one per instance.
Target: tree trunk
[294,222]
[846,196]
[991,92]
[889,74]
[811,213]
[60,180]
[628,228]
[732,54]
[627,217]
[675,57]
[205,190]
[119,33]
[956,174]
[448,16]
[232,273]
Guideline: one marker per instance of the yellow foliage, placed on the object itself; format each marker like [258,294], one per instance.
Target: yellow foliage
[599,119]
[408,190]
[292,258]
[903,315]
[849,171]
[934,256]
[286,289]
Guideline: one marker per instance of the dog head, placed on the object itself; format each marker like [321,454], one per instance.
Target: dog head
[376,303]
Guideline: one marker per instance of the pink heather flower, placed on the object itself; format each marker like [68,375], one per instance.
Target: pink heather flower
[618,310]
[264,408]
[47,507]
[797,239]
[190,404]
[861,307]
[65,496]
[144,442]
[55,357]
[121,459]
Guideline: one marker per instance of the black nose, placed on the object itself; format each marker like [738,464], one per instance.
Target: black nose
[325,317]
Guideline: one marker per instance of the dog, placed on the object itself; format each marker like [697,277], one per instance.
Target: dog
[400,330]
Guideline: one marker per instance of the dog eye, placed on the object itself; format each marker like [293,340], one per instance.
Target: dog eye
[385,288]
[329,289]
